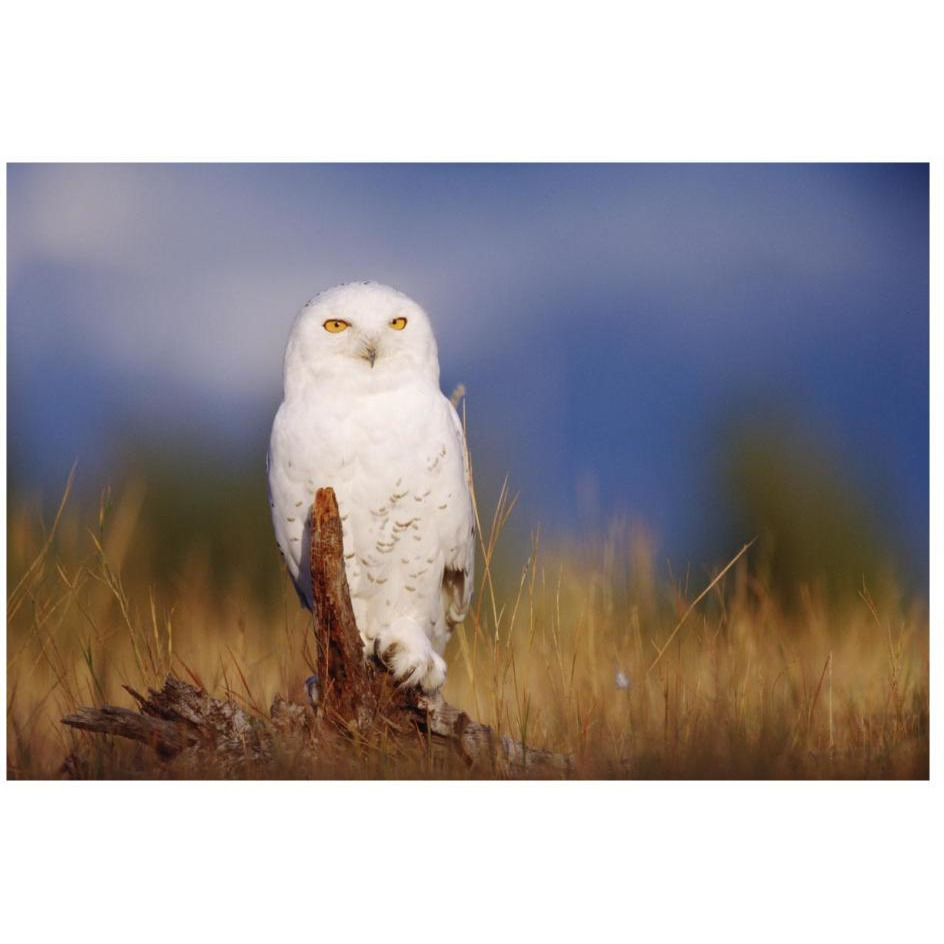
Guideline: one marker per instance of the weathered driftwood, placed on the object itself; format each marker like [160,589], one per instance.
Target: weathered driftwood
[355,696]
[182,719]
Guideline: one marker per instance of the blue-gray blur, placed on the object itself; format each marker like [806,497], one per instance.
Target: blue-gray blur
[615,326]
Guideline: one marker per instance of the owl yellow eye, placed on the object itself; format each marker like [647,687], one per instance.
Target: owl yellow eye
[335,325]
[398,324]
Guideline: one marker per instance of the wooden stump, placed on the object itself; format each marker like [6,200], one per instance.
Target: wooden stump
[356,698]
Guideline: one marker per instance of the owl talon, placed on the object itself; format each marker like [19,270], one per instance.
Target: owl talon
[405,652]
[385,656]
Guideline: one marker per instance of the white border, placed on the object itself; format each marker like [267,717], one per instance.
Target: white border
[677,861]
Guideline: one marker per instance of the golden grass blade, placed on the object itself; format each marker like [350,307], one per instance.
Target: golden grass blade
[17,595]
[701,596]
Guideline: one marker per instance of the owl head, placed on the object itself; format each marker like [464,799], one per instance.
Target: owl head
[360,333]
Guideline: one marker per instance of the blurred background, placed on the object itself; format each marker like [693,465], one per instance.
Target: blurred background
[712,352]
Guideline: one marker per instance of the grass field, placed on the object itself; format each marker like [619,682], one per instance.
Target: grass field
[593,649]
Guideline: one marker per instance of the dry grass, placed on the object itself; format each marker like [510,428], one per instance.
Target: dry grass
[585,649]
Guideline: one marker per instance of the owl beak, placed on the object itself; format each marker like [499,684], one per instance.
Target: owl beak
[370,355]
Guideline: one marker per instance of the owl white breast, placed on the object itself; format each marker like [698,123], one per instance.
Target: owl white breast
[363,413]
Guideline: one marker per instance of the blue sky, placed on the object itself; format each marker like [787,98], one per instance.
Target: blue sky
[608,321]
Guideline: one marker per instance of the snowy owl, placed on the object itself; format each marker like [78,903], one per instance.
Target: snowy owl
[362,412]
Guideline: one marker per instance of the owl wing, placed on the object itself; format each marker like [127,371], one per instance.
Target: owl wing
[459,571]
[289,502]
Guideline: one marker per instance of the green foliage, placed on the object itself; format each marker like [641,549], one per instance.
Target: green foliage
[200,513]
[815,528]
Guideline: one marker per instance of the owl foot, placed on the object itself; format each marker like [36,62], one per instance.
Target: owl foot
[406,652]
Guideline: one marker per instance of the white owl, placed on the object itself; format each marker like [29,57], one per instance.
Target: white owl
[363,413]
